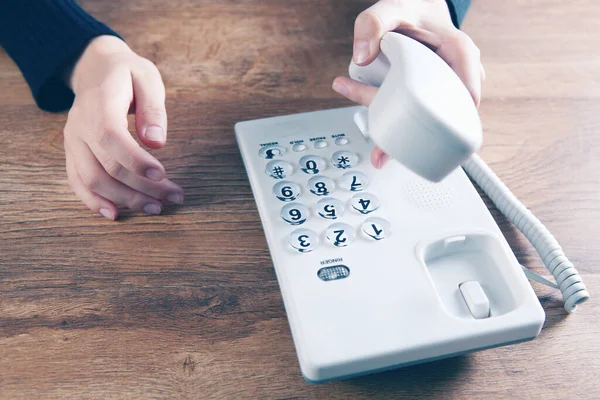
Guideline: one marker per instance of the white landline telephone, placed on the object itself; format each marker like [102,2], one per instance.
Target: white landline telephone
[386,268]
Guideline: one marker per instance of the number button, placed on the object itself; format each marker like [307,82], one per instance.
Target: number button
[279,169]
[303,240]
[344,159]
[286,191]
[376,228]
[330,208]
[312,164]
[340,235]
[364,203]
[354,181]
[321,185]
[270,152]
[294,213]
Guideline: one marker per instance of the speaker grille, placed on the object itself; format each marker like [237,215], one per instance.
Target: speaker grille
[428,195]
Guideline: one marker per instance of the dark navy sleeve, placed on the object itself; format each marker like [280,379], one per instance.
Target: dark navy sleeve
[458,10]
[44,37]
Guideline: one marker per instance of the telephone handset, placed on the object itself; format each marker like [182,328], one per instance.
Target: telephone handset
[424,117]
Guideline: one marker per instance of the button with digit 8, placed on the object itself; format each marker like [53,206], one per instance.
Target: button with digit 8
[321,185]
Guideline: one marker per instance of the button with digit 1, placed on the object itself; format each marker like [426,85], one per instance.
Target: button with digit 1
[364,203]
[330,208]
[286,191]
[303,240]
[321,185]
[376,228]
[294,213]
[340,234]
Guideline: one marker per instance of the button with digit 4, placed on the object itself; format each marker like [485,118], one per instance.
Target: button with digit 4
[330,208]
[286,191]
[339,234]
[294,213]
[321,185]
[344,159]
[312,164]
[376,228]
[303,240]
[279,169]
[354,181]
[364,203]
[270,152]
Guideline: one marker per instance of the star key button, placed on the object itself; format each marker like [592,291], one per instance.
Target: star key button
[344,159]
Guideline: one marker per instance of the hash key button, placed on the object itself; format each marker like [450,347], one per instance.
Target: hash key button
[279,169]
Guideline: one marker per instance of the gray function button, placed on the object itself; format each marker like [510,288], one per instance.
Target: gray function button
[279,169]
[364,203]
[321,185]
[354,181]
[294,213]
[298,147]
[330,208]
[312,164]
[271,152]
[376,228]
[344,159]
[333,273]
[303,240]
[320,144]
[339,234]
[286,191]
[342,141]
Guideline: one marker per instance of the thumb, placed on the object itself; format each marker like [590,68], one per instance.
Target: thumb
[150,112]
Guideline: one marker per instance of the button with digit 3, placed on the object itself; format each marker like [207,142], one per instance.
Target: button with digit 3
[312,164]
[294,213]
[330,208]
[286,191]
[344,159]
[270,152]
[339,234]
[364,203]
[279,169]
[321,185]
[303,240]
[376,228]
[354,181]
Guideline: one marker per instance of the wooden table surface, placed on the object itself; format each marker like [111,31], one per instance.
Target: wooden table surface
[186,304]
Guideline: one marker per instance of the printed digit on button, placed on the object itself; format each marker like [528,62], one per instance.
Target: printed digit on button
[303,240]
[321,185]
[344,159]
[364,203]
[354,181]
[294,213]
[312,164]
[330,208]
[279,169]
[340,234]
[376,228]
[286,191]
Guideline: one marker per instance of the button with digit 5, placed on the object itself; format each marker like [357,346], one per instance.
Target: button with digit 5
[330,208]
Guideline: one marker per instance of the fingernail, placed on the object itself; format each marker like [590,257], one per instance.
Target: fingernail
[154,174]
[341,89]
[152,208]
[175,198]
[361,51]
[154,133]
[105,212]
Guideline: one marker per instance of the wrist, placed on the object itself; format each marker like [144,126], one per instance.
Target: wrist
[97,49]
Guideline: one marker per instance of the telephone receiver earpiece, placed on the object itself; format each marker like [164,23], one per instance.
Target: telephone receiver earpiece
[422,115]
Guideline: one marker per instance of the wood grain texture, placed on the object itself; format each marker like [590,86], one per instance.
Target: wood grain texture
[186,304]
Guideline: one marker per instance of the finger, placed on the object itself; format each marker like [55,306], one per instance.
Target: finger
[379,158]
[93,201]
[461,54]
[97,180]
[374,22]
[353,90]
[163,190]
[114,139]
[150,113]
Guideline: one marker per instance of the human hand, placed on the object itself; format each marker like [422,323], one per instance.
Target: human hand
[427,21]
[106,167]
